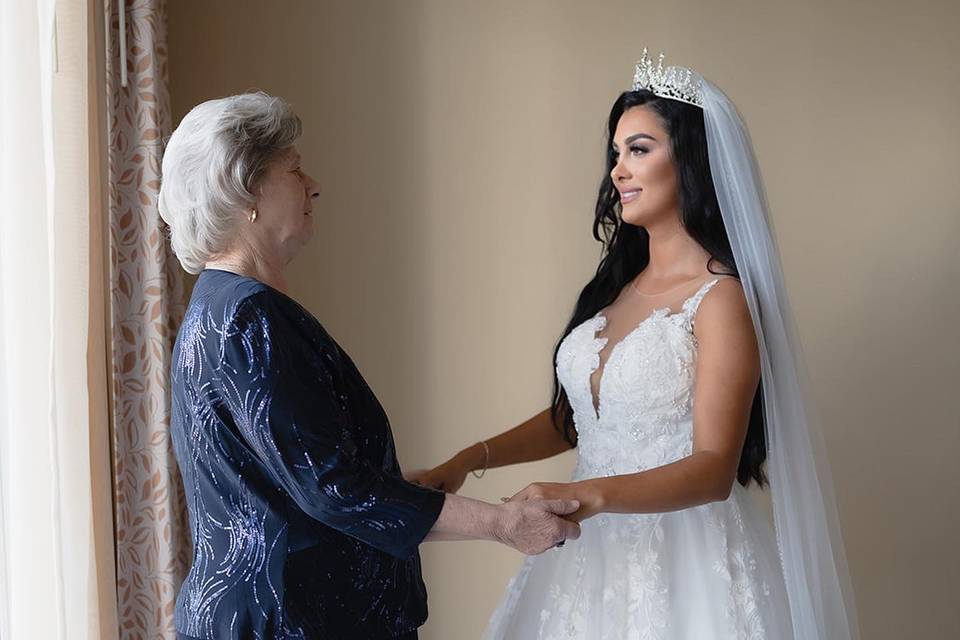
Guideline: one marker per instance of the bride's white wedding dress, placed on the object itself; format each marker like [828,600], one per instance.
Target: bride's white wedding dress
[703,573]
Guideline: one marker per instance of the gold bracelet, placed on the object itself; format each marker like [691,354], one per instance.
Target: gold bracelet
[486,460]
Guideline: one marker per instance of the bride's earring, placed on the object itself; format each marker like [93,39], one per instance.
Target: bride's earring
[253,215]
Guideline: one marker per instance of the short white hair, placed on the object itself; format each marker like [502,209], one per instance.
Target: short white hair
[211,166]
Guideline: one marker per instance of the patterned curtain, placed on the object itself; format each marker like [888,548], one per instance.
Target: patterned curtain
[153,550]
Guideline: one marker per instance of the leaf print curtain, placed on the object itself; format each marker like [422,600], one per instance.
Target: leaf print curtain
[147,305]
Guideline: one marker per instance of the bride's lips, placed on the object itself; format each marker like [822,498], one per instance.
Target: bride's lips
[629,195]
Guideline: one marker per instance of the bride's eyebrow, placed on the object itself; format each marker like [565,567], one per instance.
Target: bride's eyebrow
[638,136]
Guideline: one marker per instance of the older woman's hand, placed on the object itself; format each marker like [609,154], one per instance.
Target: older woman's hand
[533,526]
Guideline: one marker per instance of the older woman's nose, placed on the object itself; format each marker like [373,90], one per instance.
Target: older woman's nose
[313,187]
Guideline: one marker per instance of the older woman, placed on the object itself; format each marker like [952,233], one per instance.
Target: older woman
[302,524]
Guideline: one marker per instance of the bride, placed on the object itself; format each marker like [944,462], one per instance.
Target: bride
[678,381]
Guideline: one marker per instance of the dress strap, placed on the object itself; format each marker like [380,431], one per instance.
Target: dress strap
[693,302]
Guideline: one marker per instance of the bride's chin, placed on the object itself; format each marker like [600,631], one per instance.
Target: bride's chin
[632,217]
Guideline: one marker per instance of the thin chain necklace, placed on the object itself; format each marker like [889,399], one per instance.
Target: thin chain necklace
[633,285]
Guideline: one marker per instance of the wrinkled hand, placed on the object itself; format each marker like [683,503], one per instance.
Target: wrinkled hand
[589,501]
[533,526]
[448,477]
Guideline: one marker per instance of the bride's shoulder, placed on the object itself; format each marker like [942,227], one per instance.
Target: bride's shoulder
[723,308]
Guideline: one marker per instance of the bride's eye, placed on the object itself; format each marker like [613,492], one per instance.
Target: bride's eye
[638,150]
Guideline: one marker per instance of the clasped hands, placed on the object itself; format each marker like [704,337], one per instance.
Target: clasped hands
[569,503]
[450,476]
[589,504]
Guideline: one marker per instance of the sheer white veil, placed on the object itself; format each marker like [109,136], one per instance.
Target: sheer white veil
[805,514]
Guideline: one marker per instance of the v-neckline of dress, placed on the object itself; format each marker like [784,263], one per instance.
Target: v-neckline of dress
[661,312]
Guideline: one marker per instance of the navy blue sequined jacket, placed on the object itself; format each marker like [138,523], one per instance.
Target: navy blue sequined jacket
[302,525]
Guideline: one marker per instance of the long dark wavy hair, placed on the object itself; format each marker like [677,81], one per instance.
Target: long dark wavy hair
[626,248]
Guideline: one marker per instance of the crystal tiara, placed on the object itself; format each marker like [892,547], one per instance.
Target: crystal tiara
[676,83]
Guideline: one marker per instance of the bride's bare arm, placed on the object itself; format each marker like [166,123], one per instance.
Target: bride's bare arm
[533,439]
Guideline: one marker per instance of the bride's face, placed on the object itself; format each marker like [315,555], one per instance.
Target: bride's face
[644,173]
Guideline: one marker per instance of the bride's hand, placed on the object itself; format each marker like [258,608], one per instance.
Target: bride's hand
[448,477]
[589,499]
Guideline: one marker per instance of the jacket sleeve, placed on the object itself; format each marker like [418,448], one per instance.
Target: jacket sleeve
[281,395]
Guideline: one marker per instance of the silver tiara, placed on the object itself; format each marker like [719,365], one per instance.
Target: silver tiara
[677,83]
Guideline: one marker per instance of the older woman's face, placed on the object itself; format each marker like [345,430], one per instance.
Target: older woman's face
[285,204]
[645,174]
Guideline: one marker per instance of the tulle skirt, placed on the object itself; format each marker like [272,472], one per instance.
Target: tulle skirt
[710,572]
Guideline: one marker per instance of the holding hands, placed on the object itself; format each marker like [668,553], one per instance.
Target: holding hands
[450,476]
[542,516]
[581,492]
[534,526]
[529,524]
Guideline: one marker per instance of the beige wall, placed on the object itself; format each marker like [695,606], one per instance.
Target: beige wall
[460,144]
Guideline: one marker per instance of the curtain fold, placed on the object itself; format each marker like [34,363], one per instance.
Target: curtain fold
[146,289]
[103,574]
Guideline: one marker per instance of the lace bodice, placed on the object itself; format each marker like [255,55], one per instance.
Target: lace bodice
[643,417]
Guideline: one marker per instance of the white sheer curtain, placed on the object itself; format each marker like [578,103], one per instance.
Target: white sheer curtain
[48,568]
